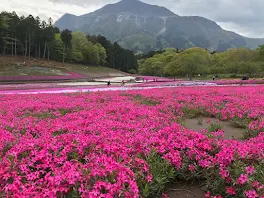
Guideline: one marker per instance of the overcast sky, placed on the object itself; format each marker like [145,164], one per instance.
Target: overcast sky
[245,17]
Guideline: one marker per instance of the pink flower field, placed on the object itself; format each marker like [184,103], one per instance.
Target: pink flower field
[130,143]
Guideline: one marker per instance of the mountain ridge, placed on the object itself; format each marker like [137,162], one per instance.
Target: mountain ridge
[142,27]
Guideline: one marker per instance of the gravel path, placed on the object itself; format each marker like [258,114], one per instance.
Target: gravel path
[95,88]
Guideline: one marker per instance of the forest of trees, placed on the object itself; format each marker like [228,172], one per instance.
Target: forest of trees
[194,61]
[31,37]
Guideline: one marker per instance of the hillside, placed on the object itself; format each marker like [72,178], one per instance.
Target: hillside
[9,66]
[142,27]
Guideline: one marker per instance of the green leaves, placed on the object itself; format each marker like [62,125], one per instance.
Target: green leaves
[162,173]
[196,61]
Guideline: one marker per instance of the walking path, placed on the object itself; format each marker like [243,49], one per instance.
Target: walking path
[95,88]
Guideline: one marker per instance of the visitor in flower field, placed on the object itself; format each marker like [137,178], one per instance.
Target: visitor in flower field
[213,77]
[245,77]
[123,83]
[108,83]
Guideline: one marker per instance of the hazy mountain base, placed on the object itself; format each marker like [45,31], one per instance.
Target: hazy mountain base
[142,27]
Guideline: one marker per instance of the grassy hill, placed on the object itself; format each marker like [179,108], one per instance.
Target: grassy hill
[10,66]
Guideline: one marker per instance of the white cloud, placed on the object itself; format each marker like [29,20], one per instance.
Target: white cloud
[43,8]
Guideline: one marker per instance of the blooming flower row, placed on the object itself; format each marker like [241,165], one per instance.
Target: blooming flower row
[97,144]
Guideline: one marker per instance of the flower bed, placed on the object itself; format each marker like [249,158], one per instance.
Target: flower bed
[128,144]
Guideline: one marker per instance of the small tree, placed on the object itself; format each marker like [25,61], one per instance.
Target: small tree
[66,37]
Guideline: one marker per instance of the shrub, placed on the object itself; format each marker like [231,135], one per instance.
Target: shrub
[162,173]
[240,122]
[213,127]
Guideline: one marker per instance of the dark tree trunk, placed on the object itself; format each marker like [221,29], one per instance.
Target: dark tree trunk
[15,45]
[36,51]
[44,53]
[29,46]
[12,45]
[25,48]
[39,52]
[48,53]
[63,53]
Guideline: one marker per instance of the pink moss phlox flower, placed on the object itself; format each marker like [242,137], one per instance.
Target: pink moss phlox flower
[251,194]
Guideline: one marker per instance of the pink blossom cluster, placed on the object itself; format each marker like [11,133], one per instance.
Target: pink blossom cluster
[96,144]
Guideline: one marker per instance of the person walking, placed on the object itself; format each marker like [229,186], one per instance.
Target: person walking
[108,83]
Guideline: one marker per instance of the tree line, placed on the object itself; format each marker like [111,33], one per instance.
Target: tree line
[199,61]
[32,37]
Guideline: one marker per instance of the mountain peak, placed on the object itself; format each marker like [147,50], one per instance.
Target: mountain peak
[128,0]
[134,7]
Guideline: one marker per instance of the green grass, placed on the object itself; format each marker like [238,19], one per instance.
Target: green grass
[9,66]
[213,127]
[36,70]
[162,173]
[93,71]
[146,101]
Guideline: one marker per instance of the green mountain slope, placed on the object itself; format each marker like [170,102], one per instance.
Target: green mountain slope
[142,27]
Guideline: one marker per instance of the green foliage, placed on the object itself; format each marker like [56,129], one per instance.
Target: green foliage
[254,132]
[146,101]
[64,111]
[132,71]
[56,49]
[213,127]
[162,173]
[240,122]
[84,51]
[117,57]
[41,115]
[216,184]
[196,61]
[66,37]
[193,112]
[149,102]
[155,65]
[29,36]
[250,134]
[60,132]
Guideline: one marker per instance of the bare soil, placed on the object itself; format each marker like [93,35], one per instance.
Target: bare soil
[185,191]
[230,132]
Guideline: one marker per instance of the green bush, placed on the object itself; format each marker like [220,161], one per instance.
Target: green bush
[194,113]
[162,173]
[213,127]
[240,122]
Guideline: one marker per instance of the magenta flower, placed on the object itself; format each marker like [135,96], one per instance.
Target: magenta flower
[251,194]
[242,179]
[250,170]
[224,173]
[192,168]
[230,190]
